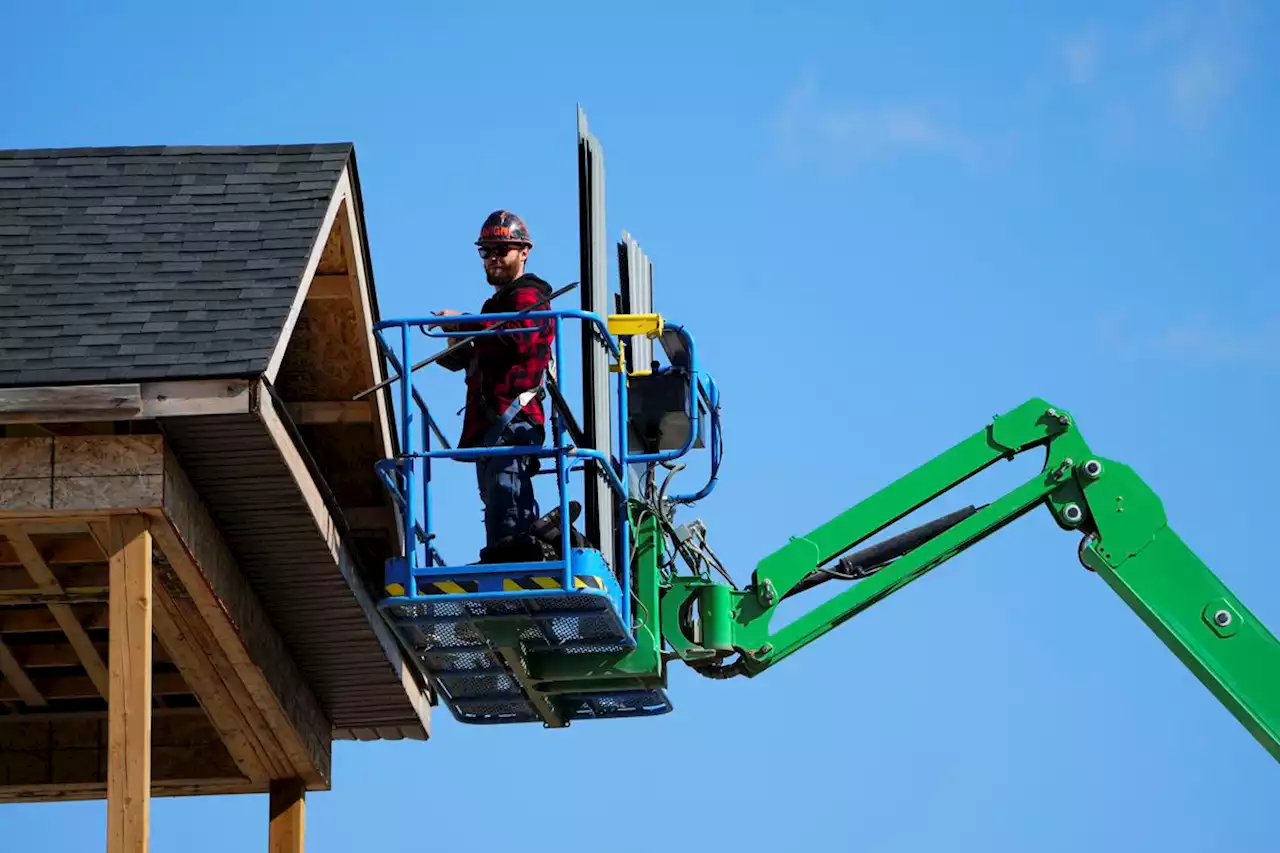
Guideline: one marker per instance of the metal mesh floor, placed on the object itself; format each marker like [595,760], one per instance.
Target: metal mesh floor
[453,636]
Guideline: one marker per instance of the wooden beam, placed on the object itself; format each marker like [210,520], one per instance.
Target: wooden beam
[71,402]
[291,735]
[47,582]
[78,597]
[59,718]
[85,577]
[42,655]
[75,550]
[199,784]
[355,248]
[189,648]
[41,621]
[64,757]
[81,687]
[129,705]
[289,717]
[369,517]
[196,397]
[288,816]
[331,412]
[329,287]
[96,403]
[40,524]
[13,671]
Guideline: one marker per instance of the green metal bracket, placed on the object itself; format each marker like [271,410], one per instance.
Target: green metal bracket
[1126,540]
[640,668]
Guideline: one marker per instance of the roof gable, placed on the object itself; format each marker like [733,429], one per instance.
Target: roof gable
[163,262]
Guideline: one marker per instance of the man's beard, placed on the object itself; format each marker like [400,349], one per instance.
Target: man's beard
[499,276]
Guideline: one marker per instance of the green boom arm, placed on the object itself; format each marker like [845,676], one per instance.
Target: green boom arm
[1127,541]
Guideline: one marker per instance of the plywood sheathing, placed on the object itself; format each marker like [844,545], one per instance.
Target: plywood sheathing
[327,357]
[327,362]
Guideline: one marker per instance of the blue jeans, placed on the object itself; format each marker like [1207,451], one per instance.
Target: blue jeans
[506,483]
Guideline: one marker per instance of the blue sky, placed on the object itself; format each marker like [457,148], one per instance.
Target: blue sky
[883,226]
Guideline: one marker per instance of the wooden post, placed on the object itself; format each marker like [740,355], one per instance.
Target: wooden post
[288,815]
[129,698]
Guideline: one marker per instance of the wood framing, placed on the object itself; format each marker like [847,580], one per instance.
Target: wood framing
[212,628]
[89,403]
[64,757]
[129,701]
[336,292]
[288,805]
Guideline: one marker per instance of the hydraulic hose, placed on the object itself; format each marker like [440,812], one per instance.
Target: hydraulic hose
[867,561]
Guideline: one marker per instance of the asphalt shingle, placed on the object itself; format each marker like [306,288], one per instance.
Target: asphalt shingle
[152,262]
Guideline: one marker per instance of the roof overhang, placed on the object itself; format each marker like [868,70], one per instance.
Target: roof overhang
[311,530]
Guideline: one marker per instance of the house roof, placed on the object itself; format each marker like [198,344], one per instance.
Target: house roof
[159,262]
[166,266]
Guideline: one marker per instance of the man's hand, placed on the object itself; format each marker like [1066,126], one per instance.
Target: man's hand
[448,312]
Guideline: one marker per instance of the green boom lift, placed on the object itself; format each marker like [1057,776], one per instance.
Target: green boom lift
[588,632]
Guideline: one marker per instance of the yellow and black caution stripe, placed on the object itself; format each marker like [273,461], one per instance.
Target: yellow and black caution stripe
[448,587]
[549,582]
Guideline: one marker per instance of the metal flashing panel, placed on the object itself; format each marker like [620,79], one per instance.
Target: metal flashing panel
[635,280]
[635,272]
[598,498]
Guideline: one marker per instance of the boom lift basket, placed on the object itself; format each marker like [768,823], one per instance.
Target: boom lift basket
[477,629]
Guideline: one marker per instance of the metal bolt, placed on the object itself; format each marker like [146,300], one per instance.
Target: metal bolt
[1223,618]
[1072,513]
[764,650]
[1092,469]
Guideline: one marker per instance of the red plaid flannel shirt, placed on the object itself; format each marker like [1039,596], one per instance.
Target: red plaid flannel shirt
[502,366]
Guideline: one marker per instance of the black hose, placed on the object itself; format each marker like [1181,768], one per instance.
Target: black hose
[869,560]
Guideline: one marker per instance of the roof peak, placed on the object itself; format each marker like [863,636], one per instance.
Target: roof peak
[135,263]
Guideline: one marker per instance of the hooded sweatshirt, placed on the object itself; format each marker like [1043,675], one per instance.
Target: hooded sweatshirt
[502,366]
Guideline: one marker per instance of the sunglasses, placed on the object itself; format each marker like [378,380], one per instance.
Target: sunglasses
[496,251]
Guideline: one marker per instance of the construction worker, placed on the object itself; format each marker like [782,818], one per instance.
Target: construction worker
[504,376]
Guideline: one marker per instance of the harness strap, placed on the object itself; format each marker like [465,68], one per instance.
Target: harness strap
[513,409]
[493,433]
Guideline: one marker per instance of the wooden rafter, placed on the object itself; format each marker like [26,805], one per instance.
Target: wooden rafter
[312,412]
[187,645]
[329,287]
[12,670]
[35,680]
[61,497]
[48,583]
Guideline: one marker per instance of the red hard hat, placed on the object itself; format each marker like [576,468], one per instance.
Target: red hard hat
[503,226]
